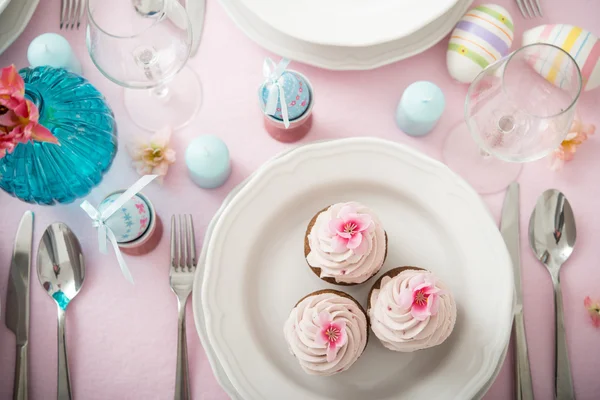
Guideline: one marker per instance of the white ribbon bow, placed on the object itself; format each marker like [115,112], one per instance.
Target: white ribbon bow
[274,83]
[100,218]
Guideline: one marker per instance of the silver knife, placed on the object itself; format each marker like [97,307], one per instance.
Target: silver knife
[509,227]
[17,301]
[196,10]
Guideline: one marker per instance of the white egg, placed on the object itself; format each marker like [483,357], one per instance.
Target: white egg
[582,45]
[481,37]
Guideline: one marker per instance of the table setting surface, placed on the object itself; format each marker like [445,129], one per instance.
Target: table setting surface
[123,338]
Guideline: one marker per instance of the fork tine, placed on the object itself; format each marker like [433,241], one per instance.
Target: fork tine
[63,9]
[184,233]
[530,13]
[539,8]
[81,10]
[173,241]
[75,12]
[192,241]
[69,11]
[180,256]
[520,4]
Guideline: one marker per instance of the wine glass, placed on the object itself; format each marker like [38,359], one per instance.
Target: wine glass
[518,109]
[144,45]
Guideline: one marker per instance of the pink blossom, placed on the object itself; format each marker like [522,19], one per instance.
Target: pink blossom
[12,87]
[349,229]
[593,308]
[421,296]
[18,116]
[331,333]
[153,155]
[578,134]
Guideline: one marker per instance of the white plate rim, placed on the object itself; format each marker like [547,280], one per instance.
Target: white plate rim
[391,24]
[3,4]
[16,16]
[214,362]
[490,372]
[343,58]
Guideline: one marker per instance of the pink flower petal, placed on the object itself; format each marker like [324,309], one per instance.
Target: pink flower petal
[420,312]
[345,211]
[40,133]
[325,319]
[331,353]
[362,248]
[9,119]
[339,244]
[354,241]
[587,302]
[321,338]
[363,221]
[433,304]
[595,320]
[336,225]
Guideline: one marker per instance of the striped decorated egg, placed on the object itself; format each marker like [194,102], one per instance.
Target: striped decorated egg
[582,45]
[481,37]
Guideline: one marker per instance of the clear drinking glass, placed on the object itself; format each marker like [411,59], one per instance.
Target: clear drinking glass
[144,45]
[517,110]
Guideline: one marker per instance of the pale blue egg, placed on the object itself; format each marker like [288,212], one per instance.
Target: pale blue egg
[130,221]
[297,95]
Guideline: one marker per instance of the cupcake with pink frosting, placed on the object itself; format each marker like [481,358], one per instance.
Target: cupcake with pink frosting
[410,309]
[345,244]
[326,331]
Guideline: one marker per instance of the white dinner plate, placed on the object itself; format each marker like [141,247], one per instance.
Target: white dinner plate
[218,371]
[14,19]
[255,272]
[352,23]
[343,58]
[3,4]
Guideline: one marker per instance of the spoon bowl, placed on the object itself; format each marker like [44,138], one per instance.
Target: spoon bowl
[552,232]
[552,236]
[61,272]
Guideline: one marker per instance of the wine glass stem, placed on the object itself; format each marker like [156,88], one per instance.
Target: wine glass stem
[162,92]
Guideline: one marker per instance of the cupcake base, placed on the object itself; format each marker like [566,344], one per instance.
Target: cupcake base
[317,271]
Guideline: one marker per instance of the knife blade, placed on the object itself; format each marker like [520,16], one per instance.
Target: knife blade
[509,228]
[17,300]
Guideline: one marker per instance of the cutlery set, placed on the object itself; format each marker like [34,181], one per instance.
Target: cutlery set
[552,237]
[61,272]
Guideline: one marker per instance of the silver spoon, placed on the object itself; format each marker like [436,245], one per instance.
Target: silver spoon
[61,270]
[552,237]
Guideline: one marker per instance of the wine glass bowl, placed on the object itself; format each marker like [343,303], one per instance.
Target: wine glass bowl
[518,109]
[145,44]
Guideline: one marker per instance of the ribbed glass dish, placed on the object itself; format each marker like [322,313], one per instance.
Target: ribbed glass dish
[77,114]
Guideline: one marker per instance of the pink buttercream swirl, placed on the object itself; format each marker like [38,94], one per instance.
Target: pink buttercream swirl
[327,333]
[347,243]
[412,311]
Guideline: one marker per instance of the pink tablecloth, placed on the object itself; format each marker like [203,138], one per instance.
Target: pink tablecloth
[122,338]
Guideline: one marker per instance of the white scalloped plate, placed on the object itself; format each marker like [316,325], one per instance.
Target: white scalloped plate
[255,272]
[339,57]
[13,20]
[353,23]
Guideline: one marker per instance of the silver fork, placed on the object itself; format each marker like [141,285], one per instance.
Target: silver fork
[181,278]
[530,8]
[71,13]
